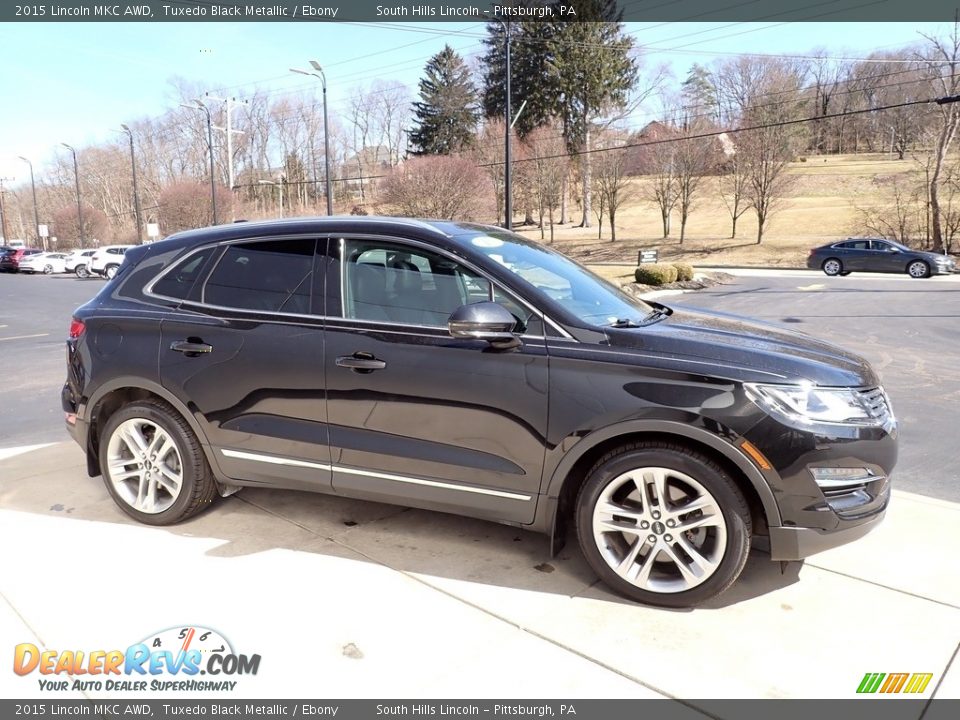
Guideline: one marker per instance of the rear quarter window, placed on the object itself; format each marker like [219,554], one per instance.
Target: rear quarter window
[178,280]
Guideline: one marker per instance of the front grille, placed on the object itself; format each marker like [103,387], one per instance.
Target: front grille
[876,404]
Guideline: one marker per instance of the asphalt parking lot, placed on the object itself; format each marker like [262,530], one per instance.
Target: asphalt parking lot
[358,599]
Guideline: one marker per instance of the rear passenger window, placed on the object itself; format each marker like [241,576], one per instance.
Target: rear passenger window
[177,282]
[269,276]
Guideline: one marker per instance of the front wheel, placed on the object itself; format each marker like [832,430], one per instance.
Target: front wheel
[832,266]
[663,525]
[82,272]
[918,269]
[47,269]
[153,465]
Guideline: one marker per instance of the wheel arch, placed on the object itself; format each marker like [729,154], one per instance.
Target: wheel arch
[561,491]
[113,395]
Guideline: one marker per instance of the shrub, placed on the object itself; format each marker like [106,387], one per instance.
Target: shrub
[655,274]
[684,271]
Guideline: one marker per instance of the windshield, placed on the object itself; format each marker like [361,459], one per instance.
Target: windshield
[587,296]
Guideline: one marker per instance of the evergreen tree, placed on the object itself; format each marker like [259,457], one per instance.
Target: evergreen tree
[531,79]
[593,70]
[446,115]
[700,98]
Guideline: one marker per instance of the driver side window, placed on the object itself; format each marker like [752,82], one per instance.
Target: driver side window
[394,283]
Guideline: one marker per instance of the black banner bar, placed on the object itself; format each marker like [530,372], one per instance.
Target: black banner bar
[874,708]
[459,11]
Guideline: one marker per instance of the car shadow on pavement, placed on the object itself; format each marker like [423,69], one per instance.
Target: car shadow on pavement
[434,547]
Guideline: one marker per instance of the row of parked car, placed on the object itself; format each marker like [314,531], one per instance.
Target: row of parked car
[103,261]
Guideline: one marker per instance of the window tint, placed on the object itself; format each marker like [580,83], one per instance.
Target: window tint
[856,245]
[394,283]
[178,281]
[271,275]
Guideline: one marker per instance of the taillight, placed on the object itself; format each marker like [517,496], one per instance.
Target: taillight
[77,328]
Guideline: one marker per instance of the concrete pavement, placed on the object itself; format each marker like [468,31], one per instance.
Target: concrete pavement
[344,598]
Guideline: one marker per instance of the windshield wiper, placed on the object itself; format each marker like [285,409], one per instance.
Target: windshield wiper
[656,314]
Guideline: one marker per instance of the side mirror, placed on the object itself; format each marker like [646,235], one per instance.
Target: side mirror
[484,321]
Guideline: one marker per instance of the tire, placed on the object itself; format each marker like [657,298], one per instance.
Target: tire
[660,571]
[832,266]
[110,271]
[844,273]
[82,272]
[47,269]
[178,484]
[918,269]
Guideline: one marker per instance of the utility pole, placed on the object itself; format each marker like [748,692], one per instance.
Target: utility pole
[3,212]
[136,194]
[36,213]
[213,180]
[231,103]
[76,177]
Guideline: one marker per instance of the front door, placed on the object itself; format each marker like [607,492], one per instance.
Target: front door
[416,416]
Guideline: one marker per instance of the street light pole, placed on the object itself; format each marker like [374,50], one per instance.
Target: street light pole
[213,186]
[36,213]
[136,194]
[76,177]
[507,126]
[326,135]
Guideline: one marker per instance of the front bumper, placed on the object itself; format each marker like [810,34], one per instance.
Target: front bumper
[794,543]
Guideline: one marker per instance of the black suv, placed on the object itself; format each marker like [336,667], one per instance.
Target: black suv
[465,369]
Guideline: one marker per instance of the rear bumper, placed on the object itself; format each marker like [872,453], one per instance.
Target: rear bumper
[795,543]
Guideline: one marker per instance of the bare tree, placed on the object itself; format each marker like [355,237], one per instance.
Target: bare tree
[438,186]
[733,189]
[942,60]
[550,164]
[694,158]
[610,175]
[487,152]
[765,154]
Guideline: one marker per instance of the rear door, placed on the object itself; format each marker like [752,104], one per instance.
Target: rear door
[416,416]
[245,352]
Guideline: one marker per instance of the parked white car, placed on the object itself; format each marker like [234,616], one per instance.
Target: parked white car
[107,260]
[77,261]
[45,262]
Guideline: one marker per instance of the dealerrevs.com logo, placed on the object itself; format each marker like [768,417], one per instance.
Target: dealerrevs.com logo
[173,660]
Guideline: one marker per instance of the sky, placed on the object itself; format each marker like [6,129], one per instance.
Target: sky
[76,82]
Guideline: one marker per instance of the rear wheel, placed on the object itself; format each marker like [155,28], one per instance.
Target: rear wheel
[110,271]
[153,465]
[663,525]
[918,269]
[82,272]
[832,266]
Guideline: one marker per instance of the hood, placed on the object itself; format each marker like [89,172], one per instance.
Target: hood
[747,350]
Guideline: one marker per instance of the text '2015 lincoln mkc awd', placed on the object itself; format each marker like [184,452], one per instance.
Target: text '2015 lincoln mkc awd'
[465,369]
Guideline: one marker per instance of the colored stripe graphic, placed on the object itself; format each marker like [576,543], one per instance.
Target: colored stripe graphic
[870,682]
[918,683]
[895,682]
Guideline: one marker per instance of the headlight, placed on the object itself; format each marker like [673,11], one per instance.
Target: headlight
[806,405]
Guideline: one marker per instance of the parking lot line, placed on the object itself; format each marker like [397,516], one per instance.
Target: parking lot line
[24,337]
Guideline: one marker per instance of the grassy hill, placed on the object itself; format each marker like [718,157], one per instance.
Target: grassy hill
[823,206]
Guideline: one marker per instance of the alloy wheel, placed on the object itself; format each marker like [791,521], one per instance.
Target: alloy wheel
[659,529]
[918,269]
[144,465]
[832,267]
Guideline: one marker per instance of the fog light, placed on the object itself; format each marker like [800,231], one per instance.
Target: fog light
[842,477]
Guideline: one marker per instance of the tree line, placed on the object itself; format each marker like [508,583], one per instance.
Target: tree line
[597,124]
